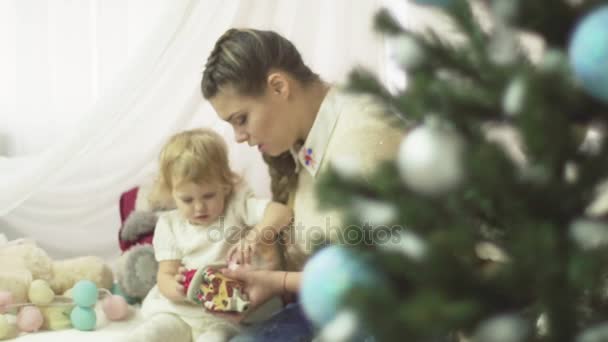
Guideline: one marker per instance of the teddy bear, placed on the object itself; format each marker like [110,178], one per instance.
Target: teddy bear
[23,261]
[137,266]
[43,310]
[29,275]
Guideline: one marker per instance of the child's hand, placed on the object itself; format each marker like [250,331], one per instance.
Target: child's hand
[180,277]
[171,280]
[179,293]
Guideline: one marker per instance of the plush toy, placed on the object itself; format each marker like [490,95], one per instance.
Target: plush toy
[30,282]
[23,261]
[137,266]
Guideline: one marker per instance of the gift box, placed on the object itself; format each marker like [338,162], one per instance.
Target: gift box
[214,291]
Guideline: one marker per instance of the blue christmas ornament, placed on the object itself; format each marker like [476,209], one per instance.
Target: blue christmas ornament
[588,52]
[83,319]
[85,293]
[438,3]
[327,278]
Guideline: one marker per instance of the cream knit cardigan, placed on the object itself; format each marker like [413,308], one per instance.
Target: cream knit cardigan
[364,134]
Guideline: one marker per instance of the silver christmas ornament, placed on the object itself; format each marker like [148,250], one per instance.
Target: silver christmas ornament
[430,159]
[504,328]
[408,244]
[514,97]
[406,51]
[589,234]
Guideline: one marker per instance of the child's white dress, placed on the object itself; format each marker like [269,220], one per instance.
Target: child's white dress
[198,246]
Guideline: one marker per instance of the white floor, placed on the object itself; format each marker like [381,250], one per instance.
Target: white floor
[106,331]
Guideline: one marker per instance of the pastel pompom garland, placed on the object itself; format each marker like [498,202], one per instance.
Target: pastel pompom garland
[85,293]
[116,290]
[82,317]
[6,299]
[29,319]
[40,293]
[4,326]
[115,307]
[7,329]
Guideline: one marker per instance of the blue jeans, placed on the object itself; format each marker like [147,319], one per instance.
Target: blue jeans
[287,325]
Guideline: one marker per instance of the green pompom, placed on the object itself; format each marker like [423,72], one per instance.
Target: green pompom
[83,318]
[118,291]
[4,327]
[85,293]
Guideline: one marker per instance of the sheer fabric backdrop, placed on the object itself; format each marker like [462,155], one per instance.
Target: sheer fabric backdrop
[92,88]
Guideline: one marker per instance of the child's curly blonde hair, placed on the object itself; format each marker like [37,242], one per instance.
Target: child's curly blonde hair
[198,156]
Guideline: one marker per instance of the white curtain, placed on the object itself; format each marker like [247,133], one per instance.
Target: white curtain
[100,137]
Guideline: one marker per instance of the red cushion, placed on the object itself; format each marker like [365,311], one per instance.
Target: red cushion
[127,203]
[126,206]
[144,239]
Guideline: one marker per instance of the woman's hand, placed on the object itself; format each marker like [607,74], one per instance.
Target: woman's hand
[256,251]
[259,286]
[261,239]
[243,252]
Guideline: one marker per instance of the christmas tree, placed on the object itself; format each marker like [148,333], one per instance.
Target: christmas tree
[464,234]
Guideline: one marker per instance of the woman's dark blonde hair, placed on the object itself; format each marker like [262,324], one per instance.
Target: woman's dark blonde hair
[242,59]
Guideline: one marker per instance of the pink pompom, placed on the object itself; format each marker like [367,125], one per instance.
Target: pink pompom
[29,319]
[6,299]
[115,307]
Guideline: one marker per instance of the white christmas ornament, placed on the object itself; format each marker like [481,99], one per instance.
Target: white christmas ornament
[430,159]
[491,252]
[406,243]
[535,174]
[347,166]
[342,328]
[504,328]
[571,172]
[504,46]
[513,99]
[589,234]
[376,213]
[406,51]
[553,60]
[504,9]
[542,325]
[593,141]
[509,139]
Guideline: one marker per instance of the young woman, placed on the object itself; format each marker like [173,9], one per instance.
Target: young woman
[256,80]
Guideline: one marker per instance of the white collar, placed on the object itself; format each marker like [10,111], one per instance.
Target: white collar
[310,154]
